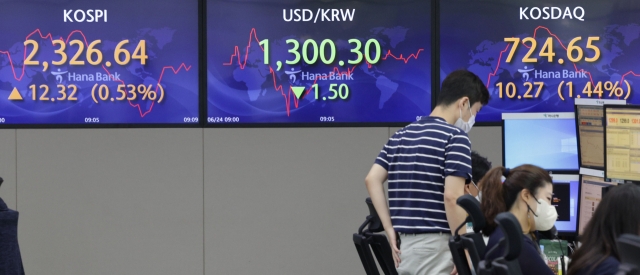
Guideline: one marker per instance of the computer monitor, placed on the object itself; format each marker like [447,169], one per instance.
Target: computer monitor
[589,115]
[547,140]
[622,142]
[591,193]
[565,199]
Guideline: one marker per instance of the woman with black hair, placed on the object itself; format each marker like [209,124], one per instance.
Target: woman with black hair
[526,193]
[616,214]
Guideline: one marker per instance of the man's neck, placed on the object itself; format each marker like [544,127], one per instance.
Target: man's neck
[447,113]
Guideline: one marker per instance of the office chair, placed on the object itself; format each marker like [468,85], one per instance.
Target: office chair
[507,264]
[629,248]
[10,257]
[471,242]
[367,240]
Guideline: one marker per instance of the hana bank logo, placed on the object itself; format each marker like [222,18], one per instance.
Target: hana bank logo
[58,75]
[525,73]
[292,75]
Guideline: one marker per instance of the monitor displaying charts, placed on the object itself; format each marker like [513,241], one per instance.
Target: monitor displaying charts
[539,56]
[622,142]
[590,123]
[318,62]
[115,62]
[590,197]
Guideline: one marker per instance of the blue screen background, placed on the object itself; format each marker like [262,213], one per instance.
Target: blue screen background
[396,89]
[170,29]
[473,33]
[548,143]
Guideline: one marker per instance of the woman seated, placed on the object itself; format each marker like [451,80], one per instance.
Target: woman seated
[616,214]
[526,193]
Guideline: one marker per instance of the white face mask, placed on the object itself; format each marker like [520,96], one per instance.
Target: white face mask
[466,126]
[479,192]
[546,216]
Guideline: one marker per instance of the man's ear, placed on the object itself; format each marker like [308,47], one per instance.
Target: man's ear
[463,101]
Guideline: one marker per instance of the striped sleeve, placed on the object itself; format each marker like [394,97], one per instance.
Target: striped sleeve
[457,156]
[383,157]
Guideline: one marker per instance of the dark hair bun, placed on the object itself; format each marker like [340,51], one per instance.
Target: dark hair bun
[506,172]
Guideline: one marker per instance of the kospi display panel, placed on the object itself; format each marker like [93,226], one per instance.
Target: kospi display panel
[539,56]
[322,62]
[98,62]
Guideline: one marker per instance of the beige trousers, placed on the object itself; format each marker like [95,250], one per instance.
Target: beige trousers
[425,254]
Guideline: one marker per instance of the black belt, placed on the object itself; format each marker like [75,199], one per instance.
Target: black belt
[422,233]
[398,241]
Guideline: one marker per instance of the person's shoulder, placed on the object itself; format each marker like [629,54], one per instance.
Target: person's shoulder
[495,237]
[429,126]
[436,123]
[608,266]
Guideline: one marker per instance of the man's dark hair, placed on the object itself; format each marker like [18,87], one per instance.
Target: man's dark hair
[459,84]
[479,166]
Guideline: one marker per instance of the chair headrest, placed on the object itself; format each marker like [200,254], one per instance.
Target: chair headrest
[512,235]
[375,225]
[629,248]
[472,206]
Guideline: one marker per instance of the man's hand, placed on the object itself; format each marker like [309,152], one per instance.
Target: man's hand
[454,272]
[391,235]
[376,177]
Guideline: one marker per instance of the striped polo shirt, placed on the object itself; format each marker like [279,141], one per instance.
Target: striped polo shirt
[418,158]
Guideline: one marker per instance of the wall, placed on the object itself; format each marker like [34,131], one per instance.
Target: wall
[193,201]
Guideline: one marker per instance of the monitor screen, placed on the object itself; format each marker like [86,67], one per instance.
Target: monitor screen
[590,118]
[622,147]
[545,140]
[590,197]
[538,56]
[318,62]
[98,62]
[565,199]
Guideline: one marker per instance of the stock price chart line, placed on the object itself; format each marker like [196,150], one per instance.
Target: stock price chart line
[82,77]
[347,69]
[590,88]
[538,59]
[15,94]
[300,92]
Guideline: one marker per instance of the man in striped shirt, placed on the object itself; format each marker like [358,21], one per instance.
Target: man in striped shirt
[427,164]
